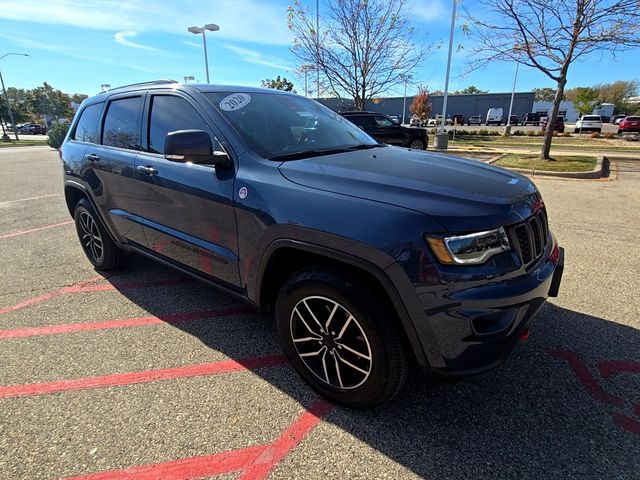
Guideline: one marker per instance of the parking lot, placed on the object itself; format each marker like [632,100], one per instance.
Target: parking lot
[148,374]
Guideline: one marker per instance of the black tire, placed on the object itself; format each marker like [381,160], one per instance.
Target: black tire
[96,242]
[417,144]
[375,343]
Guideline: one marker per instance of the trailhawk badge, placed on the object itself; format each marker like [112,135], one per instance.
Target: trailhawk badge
[243,192]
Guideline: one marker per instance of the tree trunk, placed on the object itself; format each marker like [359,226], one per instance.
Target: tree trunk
[551,120]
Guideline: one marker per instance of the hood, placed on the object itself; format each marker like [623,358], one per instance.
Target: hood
[463,195]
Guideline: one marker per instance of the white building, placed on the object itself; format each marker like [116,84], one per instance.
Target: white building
[566,110]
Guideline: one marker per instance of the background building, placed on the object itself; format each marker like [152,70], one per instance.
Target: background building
[467,105]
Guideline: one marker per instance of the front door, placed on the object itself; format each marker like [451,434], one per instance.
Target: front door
[388,131]
[187,208]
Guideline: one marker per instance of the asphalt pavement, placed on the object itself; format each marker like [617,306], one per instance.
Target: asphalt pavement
[148,374]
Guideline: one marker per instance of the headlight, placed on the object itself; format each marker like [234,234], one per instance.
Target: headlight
[471,249]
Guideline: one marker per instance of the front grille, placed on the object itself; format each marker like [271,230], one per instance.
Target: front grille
[529,238]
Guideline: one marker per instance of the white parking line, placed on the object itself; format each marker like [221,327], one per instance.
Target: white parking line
[29,198]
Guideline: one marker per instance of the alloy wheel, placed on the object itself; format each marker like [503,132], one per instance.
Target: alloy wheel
[417,145]
[91,239]
[331,342]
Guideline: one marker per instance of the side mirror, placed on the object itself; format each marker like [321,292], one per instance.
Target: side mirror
[193,146]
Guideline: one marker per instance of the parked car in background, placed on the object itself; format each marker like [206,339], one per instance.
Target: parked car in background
[616,119]
[474,120]
[589,123]
[457,119]
[513,120]
[494,116]
[32,129]
[531,118]
[559,126]
[385,130]
[395,118]
[629,124]
[415,121]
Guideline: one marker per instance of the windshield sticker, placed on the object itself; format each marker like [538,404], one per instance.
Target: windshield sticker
[234,102]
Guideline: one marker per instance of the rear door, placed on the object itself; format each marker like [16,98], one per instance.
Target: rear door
[110,166]
[187,208]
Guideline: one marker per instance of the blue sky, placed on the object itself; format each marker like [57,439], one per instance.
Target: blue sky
[78,45]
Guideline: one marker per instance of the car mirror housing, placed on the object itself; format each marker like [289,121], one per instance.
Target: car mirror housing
[193,146]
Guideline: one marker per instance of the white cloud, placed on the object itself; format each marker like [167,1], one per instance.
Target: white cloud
[251,56]
[192,44]
[428,10]
[121,38]
[239,20]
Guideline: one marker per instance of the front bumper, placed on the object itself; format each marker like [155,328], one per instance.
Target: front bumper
[471,327]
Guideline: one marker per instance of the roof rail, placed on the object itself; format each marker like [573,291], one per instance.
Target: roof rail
[141,84]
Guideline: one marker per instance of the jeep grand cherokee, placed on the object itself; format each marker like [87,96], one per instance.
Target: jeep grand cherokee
[371,257]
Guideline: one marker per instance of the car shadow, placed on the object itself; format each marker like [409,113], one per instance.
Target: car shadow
[565,405]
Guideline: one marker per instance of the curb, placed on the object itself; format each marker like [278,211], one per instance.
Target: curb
[601,169]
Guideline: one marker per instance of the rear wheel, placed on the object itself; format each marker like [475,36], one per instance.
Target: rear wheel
[96,242]
[339,338]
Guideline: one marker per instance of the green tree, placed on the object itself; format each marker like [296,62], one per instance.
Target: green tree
[470,90]
[550,36]
[544,94]
[619,93]
[583,98]
[278,84]
[46,100]
[20,107]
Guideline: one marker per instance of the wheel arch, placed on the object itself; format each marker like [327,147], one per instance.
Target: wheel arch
[285,257]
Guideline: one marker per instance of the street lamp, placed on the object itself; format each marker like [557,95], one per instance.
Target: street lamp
[189,77]
[305,69]
[104,87]
[212,27]
[406,78]
[6,97]
[507,130]
[446,82]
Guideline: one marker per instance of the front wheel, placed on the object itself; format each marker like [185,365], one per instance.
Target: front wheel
[96,242]
[417,144]
[340,339]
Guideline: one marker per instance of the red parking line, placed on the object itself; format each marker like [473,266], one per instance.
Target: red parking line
[122,323]
[254,463]
[86,287]
[287,441]
[47,296]
[29,198]
[32,230]
[122,379]
[584,375]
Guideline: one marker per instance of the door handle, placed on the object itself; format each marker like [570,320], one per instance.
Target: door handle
[147,170]
[92,157]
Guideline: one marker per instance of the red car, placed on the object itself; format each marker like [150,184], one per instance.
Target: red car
[559,127]
[629,124]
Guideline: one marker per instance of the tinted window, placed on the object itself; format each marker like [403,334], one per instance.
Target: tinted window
[383,122]
[633,119]
[87,129]
[121,126]
[168,114]
[362,120]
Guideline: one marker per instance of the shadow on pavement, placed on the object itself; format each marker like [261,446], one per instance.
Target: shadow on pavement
[565,405]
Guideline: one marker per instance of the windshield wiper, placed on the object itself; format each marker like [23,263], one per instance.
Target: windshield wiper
[328,151]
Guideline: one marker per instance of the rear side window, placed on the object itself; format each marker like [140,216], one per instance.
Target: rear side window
[168,114]
[87,129]
[362,120]
[383,122]
[121,124]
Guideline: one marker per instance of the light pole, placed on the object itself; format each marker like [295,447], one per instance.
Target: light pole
[304,70]
[318,49]
[446,81]
[406,78]
[212,27]
[507,130]
[6,98]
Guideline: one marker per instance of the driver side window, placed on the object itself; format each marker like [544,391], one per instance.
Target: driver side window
[168,114]
[383,122]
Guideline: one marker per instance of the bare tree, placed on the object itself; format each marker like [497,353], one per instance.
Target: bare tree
[551,35]
[363,47]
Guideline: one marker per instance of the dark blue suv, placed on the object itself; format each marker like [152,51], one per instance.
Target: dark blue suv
[372,258]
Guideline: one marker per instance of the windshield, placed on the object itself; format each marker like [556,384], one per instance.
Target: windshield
[282,127]
[592,118]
